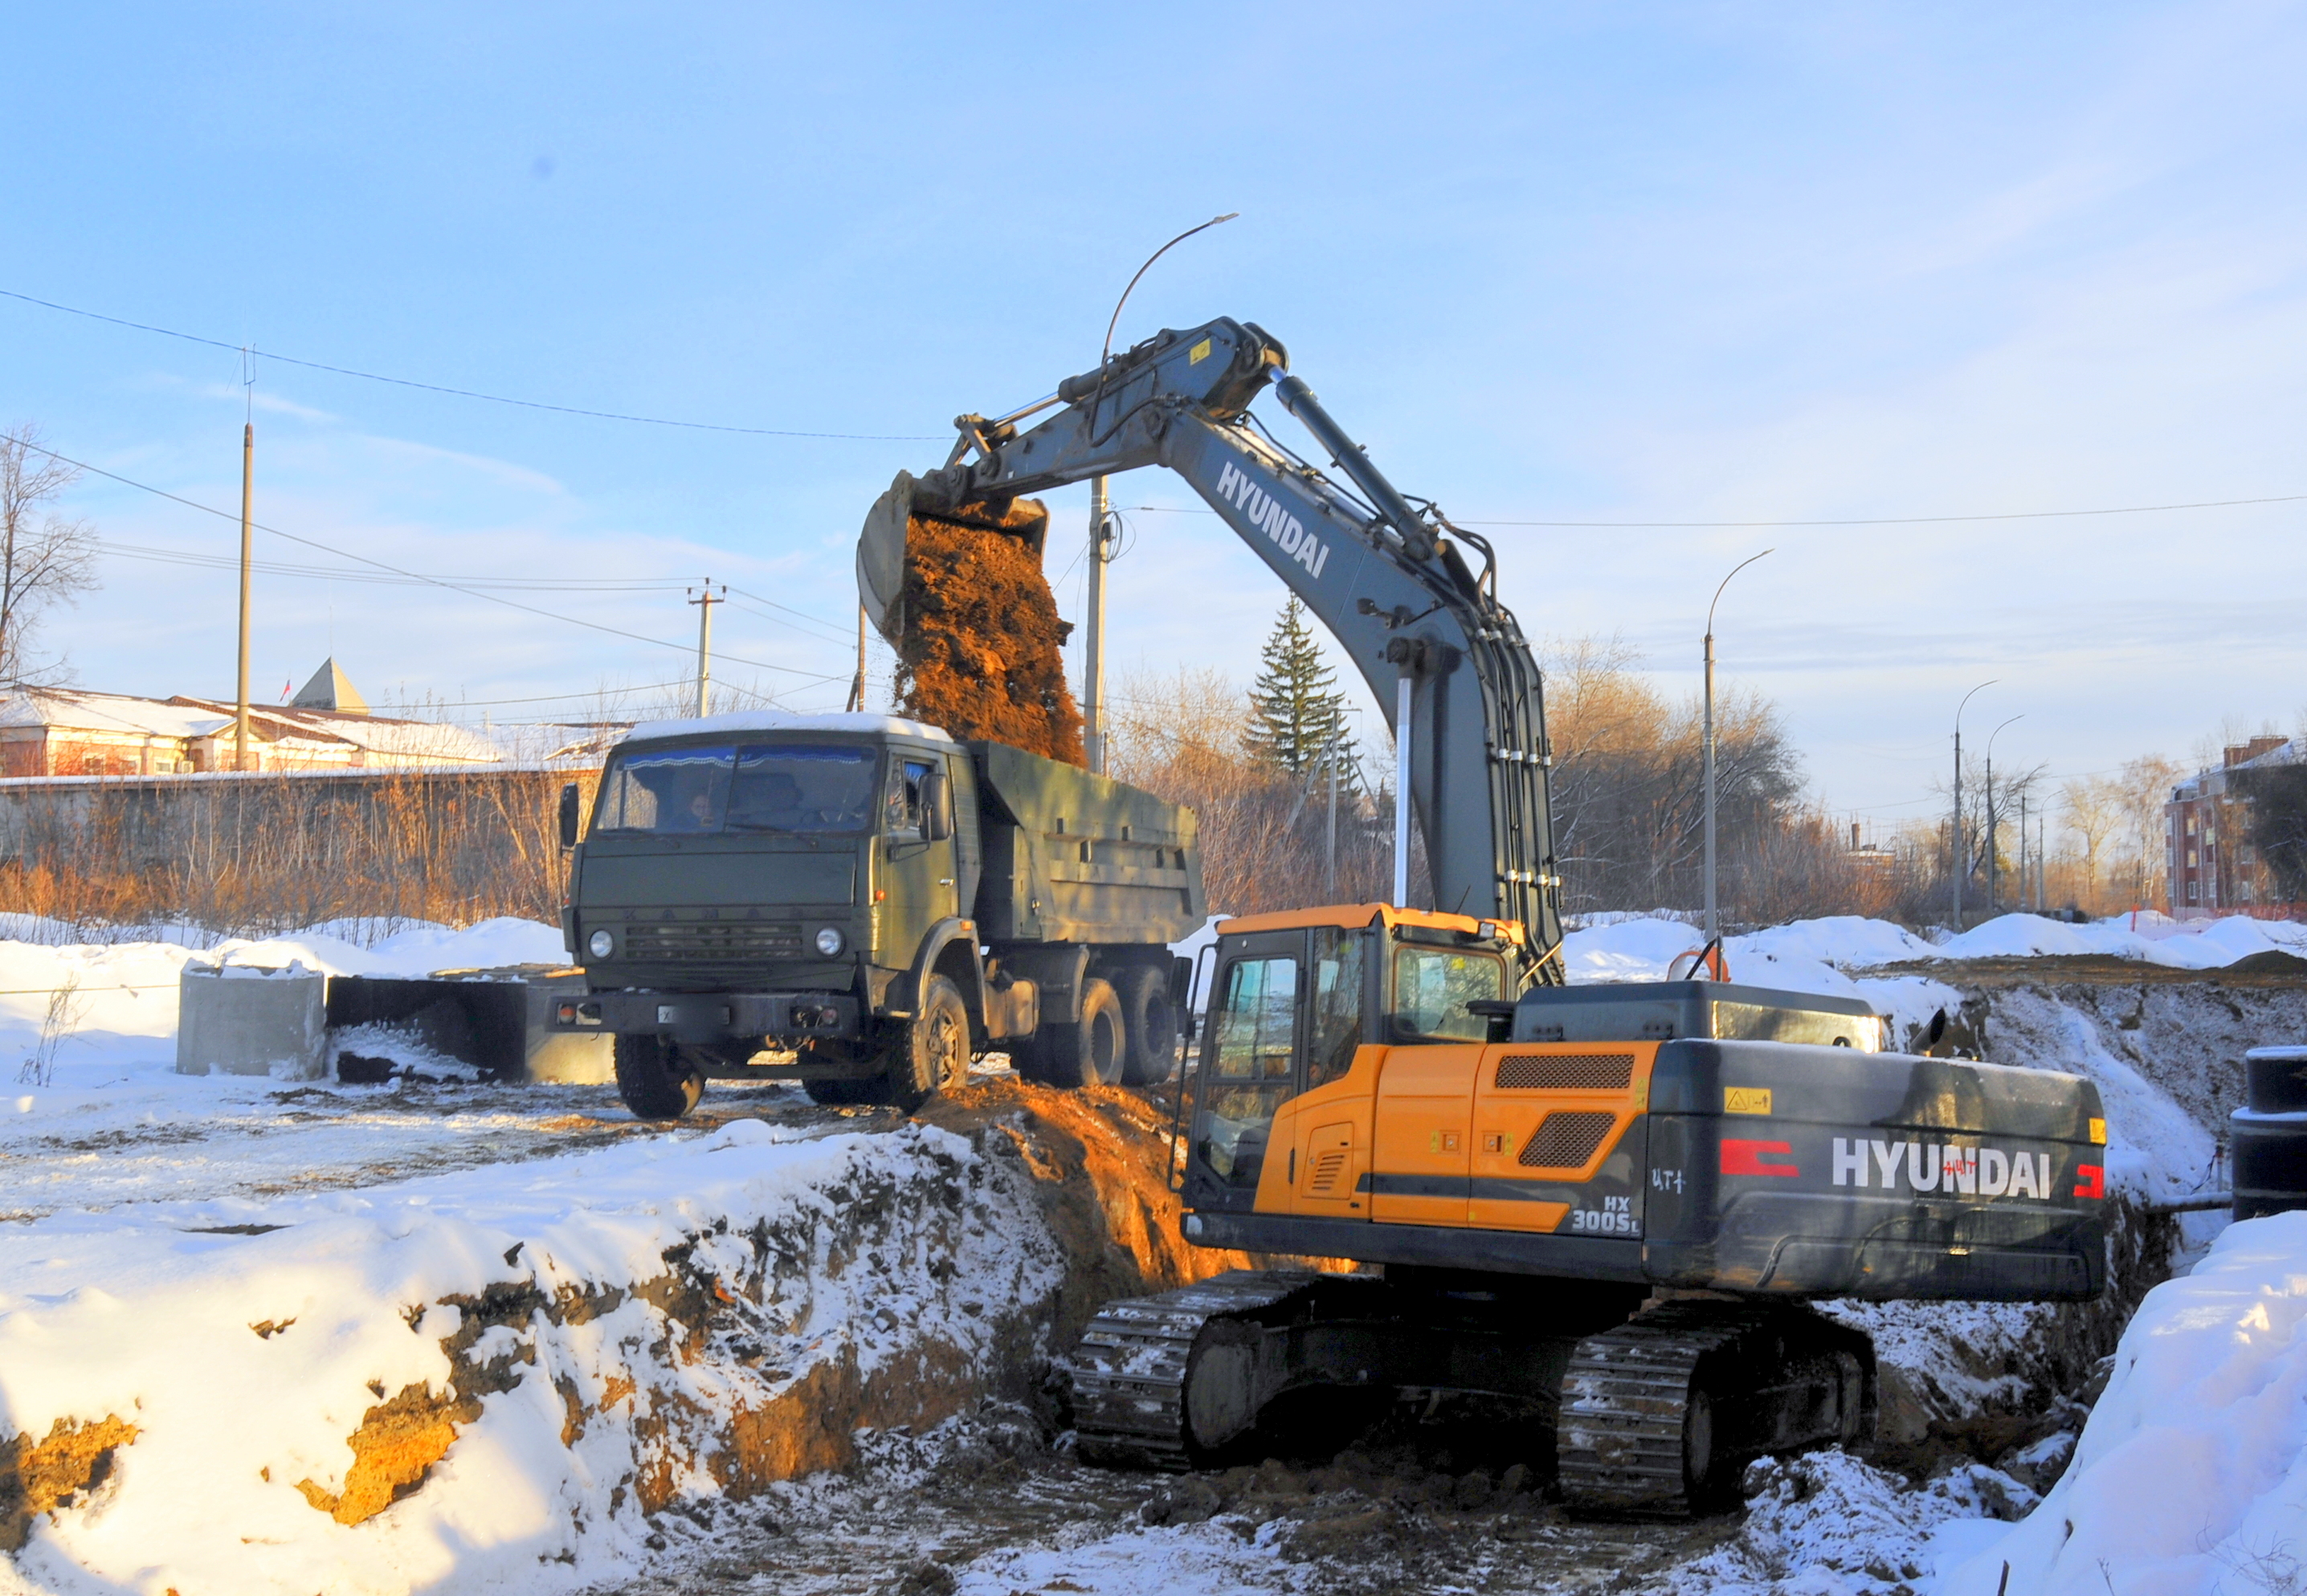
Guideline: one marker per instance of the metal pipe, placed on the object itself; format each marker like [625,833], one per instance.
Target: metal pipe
[1402,791]
[1418,540]
[1994,827]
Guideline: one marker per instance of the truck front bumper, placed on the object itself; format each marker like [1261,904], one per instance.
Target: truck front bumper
[783,1018]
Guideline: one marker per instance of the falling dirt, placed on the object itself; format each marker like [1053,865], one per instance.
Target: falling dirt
[978,648]
[38,1477]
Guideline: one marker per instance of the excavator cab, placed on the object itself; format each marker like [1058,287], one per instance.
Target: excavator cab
[1294,997]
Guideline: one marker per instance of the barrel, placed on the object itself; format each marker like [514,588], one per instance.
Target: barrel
[2267,1139]
[2274,1080]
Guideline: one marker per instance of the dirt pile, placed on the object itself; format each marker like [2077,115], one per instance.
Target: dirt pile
[38,1477]
[978,638]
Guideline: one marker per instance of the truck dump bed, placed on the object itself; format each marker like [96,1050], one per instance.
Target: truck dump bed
[1072,857]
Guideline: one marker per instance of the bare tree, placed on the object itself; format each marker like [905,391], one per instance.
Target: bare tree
[45,559]
[2094,813]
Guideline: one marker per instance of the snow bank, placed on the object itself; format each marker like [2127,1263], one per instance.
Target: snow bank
[489,1380]
[2191,1474]
[1634,949]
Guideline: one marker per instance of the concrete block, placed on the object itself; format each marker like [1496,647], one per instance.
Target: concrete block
[243,1021]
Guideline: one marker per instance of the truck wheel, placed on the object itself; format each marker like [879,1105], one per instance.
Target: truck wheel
[654,1080]
[1091,1051]
[1150,1023]
[934,1055]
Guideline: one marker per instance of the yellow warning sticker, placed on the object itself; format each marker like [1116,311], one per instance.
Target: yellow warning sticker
[2098,1132]
[1745,1099]
[1198,353]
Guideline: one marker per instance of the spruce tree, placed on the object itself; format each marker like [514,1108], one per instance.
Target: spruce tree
[1295,711]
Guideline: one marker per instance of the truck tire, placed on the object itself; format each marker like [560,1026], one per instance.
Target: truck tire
[1150,1023]
[933,1056]
[656,1081]
[1092,1050]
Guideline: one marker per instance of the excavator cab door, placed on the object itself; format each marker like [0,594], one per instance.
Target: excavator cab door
[1250,1055]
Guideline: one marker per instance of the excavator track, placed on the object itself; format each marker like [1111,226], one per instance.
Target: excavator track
[1645,1432]
[1130,1371]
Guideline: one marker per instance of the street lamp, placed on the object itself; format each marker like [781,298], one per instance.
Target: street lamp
[1959,860]
[1713,928]
[1991,828]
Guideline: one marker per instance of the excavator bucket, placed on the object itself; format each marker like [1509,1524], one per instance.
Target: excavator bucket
[959,593]
[881,556]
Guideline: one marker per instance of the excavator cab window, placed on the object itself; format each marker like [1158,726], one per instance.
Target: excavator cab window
[1432,987]
[1251,1063]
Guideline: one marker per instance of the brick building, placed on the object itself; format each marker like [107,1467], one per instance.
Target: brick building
[2214,869]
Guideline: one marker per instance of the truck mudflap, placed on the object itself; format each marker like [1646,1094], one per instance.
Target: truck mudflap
[1829,1172]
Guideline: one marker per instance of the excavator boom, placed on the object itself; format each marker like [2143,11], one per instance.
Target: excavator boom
[1428,636]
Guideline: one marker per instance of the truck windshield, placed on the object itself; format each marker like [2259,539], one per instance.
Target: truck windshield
[759,787]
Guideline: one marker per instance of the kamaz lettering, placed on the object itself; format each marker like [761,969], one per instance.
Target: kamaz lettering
[1957,1172]
[1265,513]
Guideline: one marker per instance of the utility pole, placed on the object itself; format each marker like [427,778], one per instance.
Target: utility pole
[2026,869]
[1713,926]
[247,474]
[1993,828]
[705,601]
[857,687]
[1330,854]
[1093,641]
[1958,860]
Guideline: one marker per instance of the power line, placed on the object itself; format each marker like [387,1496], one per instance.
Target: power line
[1885,521]
[163,556]
[412,576]
[494,398]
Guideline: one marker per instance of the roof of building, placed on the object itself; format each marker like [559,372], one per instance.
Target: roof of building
[331,689]
[74,709]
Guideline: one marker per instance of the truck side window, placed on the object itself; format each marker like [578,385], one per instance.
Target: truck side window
[1255,1036]
[1432,987]
[1337,1016]
[905,799]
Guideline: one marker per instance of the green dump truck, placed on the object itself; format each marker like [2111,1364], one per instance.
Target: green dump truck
[877,900]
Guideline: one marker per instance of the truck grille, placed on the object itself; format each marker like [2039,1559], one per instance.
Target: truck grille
[711,941]
[1565,1072]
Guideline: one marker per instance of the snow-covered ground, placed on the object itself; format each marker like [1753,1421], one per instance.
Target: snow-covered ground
[410,1216]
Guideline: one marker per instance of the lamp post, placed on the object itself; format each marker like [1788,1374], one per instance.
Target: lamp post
[1713,926]
[1991,827]
[1958,861]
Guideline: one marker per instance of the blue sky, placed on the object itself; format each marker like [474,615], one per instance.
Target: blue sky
[1552,263]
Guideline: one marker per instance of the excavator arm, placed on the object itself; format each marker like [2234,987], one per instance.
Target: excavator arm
[1430,637]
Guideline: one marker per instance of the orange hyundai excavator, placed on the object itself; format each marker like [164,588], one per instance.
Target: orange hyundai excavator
[1608,1205]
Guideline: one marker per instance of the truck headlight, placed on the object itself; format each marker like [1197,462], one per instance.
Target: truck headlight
[602,944]
[829,942]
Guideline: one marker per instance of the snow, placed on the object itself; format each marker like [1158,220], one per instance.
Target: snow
[1632,948]
[109,1314]
[2192,1475]
[783,720]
